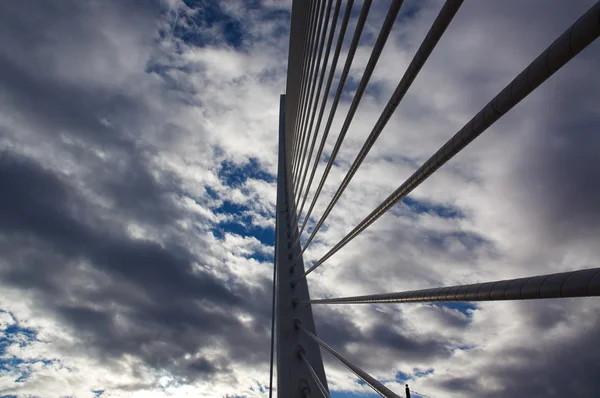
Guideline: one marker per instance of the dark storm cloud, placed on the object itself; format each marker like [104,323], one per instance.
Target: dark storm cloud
[53,107]
[116,294]
[415,347]
[383,332]
[555,166]
[63,105]
[562,366]
[560,175]
[168,307]
[416,251]
[36,95]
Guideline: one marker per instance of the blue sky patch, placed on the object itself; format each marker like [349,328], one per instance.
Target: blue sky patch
[422,373]
[401,377]
[469,240]
[235,175]
[208,15]
[23,336]
[228,207]
[264,236]
[443,211]
[259,387]
[240,222]
[465,308]
[409,10]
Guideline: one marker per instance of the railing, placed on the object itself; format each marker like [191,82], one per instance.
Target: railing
[314,25]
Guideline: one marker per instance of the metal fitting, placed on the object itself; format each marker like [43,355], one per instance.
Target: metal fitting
[304,388]
[300,351]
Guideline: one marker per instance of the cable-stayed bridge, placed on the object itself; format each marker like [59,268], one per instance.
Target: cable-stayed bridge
[314,59]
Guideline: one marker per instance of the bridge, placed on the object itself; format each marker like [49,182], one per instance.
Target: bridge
[295,344]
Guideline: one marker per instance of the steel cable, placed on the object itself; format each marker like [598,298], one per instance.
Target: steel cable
[323,102]
[305,63]
[308,87]
[364,376]
[298,66]
[334,61]
[324,23]
[384,33]
[351,52]
[581,34]
[435,33]
[318,86]
[297,39]
[581,283]
[311,370]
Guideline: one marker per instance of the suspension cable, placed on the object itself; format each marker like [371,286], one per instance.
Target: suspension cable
[581,34]
[319,86]
[332,70]
[364,376]
[303,80]
[581,283]
[349,58]
[362,18]
[377,49]
[294,81]
[302,356]
[306,80]
[338,4]
[310,82]
[324,23]
[435,33]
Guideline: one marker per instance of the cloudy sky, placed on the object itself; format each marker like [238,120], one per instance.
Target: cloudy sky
[138,157]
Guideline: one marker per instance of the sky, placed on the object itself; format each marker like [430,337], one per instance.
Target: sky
[138,160]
